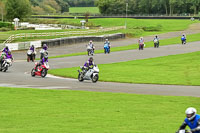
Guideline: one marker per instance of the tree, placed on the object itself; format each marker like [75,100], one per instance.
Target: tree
[64,6]
[109,7]
[2,9]
[195,5]
[165,3]
[17,9]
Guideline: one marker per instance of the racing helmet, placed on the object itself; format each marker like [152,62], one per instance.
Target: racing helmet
[190,113]
[91,59]
[44,45]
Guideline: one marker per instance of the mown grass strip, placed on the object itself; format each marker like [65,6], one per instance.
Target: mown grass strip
[55,111]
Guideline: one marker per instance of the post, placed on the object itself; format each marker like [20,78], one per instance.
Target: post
[126,15]
[2,14]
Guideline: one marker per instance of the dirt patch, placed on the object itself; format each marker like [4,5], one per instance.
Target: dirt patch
[195,26]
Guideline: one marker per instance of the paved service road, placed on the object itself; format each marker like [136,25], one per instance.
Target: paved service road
[19,74]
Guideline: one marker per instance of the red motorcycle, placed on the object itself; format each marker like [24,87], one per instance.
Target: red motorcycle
[41,70]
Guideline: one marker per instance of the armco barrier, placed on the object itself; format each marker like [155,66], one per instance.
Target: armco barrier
[80,39]
[61,41]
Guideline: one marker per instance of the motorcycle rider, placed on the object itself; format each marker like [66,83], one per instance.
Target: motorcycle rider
[32,48]
[141,43]
[45,47]
[91,45]
[6,49]
[9,56]
[183,39]
[107,43]
[42,61]
[43,51]
[156,41]
[192,120]
[88,64]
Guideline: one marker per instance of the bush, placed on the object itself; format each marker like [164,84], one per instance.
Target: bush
[3,24]
[153,28]
[5,29]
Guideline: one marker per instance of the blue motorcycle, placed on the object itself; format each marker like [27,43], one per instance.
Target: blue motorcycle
[106,48]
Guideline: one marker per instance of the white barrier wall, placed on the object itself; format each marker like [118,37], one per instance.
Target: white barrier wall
[37,44]
[12,46]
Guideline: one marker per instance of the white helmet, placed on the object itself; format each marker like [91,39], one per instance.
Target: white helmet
[191,111]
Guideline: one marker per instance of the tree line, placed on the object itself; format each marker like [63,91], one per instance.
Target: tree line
[23,8]
[168,7]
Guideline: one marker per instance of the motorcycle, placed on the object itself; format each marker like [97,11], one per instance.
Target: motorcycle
[31,55]
[183,40]
[91,74]
[42,53]
[106,48]
[41,70]
[156,43]
[141,46]
[90,51]
[6,63]
[183,131]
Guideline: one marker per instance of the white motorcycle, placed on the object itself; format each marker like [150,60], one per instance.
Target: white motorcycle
[91,74]
[90,50]
[6,63]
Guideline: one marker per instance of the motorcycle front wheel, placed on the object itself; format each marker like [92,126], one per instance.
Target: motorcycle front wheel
[5,68]
[43,73]
[95,78]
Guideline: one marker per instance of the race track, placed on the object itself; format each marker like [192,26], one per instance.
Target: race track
[19,74]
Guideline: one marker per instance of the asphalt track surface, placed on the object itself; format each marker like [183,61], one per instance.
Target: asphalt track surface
[19,74]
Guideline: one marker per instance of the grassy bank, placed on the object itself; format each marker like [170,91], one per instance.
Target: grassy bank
[93,10]
[173,70]
[53,111]
[136,27]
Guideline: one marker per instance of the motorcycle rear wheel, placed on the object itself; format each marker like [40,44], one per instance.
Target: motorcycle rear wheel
[28,58]
[80,78]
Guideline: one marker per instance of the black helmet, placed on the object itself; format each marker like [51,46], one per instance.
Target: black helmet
[6,47]
[91,58]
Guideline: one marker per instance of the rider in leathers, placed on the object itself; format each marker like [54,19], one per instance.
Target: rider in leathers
[192,120]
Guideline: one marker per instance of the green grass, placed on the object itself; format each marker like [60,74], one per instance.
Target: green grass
[180,69]
[64,111]
[170,41]
[136,27]
[92,10]
[142,26]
